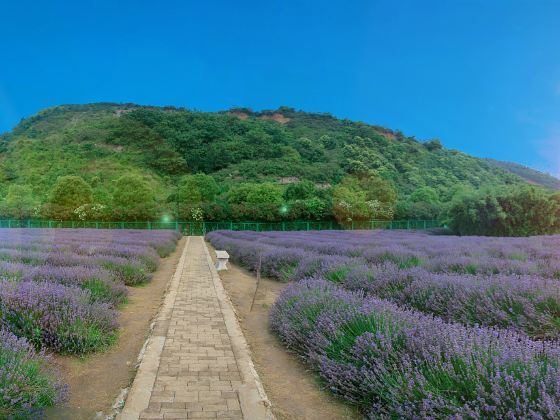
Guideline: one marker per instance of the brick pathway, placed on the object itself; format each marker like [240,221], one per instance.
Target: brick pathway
[196,363]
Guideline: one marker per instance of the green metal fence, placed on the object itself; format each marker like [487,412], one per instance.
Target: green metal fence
[201,228]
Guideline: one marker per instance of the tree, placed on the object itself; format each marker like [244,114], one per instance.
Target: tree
[197,188]
[20,202]
[194,192]
[364,196]
[424,194]
[68,193]
[256,201]
[350,205]
[134,198]
[433,145]
[71,191]
[423,203]
[311,150]
[514,211]
[300,190]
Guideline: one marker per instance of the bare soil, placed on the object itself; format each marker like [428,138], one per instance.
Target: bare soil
[96,380]
[294,391]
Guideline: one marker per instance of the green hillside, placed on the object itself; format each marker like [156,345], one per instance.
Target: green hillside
[299,160]
[528,174]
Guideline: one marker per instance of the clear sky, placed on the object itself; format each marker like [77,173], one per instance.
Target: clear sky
[483,76]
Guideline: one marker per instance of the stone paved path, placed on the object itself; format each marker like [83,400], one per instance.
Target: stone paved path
[196,363]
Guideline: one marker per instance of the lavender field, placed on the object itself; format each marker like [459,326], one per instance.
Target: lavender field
[416,325]
[60,290]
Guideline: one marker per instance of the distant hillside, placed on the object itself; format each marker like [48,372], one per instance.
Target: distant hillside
[530,175]
[101,142]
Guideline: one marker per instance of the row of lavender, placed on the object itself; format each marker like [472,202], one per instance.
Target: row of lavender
[60,291]
[518,289]
[418,325]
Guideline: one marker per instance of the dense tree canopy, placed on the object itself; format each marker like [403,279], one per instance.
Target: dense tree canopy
[133,199]
[69,193]
[122,161]
[521,211]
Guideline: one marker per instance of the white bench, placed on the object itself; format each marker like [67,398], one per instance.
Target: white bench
[222,257]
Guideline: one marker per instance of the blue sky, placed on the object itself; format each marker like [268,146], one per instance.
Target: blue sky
[482,76]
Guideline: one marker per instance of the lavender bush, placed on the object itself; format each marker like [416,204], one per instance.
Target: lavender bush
[398,363]
[474,281]
[55,316]
[27,385]
[59,287]
[413,325]
[59,290]
[100,283]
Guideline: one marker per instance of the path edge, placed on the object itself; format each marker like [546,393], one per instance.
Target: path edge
[138,398]
[252,396]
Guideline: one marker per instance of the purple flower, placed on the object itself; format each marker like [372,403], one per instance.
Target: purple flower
[413,325]
[27,383]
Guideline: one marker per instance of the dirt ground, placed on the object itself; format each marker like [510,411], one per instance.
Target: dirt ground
[96,380]
[294,391]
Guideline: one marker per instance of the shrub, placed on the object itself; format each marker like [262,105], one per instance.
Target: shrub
[401,364]
[27,384]
[58,317]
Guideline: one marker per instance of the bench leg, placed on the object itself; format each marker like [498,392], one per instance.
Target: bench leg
[221,265]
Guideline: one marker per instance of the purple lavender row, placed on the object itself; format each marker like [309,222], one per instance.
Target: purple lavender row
[394,363]
[27,384]
[100,283]
[464,255]
[146,254]
[163,241]
[55,316]
[525,303]
[130,271]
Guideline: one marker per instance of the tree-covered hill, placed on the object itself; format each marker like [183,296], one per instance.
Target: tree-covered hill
[528,174]
[304,164]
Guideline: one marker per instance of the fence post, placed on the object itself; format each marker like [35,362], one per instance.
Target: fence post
[283,226]
[307,226]
[28,223]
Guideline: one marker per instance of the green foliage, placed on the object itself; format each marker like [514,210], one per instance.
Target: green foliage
[69,193]
[134,199]
[193,194]
[363,197]
[520,211]
[530,175]
[433,145]
[214,163]
[256,201]
[423,204]
[20,202]
[424,194]
[300,191]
